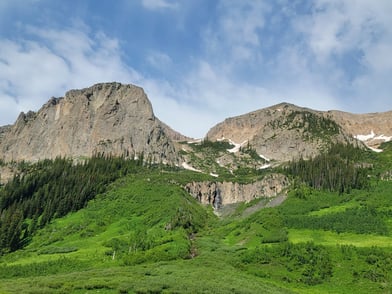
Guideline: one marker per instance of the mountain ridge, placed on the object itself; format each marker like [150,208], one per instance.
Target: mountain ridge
[107,118]
[118,119]
[264,129]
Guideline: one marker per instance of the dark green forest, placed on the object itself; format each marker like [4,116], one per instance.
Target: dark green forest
[337,170]
[51,189]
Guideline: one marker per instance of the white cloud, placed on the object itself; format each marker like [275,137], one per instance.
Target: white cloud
[237,71]
[159,60]
[338,26]
[54,61]
[337,30]
[236,35]
[158,4]
[8,110]
[204,97]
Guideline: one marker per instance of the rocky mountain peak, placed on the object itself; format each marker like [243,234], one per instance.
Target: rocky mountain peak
[108,118]
[283,131]
[118,119]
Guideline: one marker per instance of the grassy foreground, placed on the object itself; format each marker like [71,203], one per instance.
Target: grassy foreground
[146,235]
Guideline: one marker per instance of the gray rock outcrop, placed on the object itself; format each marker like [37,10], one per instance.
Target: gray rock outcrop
[108,118]
[223,193]
[283,132]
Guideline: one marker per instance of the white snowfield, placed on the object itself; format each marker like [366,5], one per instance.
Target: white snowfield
[372,136]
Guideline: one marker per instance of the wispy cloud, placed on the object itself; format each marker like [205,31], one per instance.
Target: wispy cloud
[242,56]
[159,60]
[53,61]
[235,35]
[159,4]
[353,38]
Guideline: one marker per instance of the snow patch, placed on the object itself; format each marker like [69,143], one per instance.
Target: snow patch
[372,136]
[264,166]
[188,167]
[375,149]
[195,141]
[365,137]
[383,137]
[263,157]
[236,147]
[214,175]
[219,163]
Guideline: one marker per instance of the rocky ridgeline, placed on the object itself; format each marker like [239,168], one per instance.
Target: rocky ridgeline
[219,194]
[371,128]
[108,118]
[285,131]
[116,119]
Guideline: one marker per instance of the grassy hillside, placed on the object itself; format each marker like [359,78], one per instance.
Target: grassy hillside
[144,234]
[141,236]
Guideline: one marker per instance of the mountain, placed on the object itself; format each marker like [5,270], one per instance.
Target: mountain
[286,131]
[116,119]
[282,132]
[371,128]
[107,118]
[117,225]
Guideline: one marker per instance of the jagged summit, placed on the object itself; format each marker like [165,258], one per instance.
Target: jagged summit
[109,118]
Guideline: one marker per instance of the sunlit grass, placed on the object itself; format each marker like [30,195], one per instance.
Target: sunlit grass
[329,238]
[146,203]
[333,209]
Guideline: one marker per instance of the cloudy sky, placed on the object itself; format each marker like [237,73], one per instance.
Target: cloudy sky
[199,61]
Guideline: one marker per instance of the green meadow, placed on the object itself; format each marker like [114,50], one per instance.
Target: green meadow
[142,233]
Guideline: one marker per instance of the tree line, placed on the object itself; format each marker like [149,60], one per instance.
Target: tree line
[359,220]
[52,189]
[337,170]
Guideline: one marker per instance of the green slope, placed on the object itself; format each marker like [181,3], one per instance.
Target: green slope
[146,235]
[141,236]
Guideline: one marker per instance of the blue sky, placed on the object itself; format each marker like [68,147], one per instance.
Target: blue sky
[199,61]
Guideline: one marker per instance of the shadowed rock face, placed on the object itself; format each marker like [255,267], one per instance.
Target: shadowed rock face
[108,118]
[223,193]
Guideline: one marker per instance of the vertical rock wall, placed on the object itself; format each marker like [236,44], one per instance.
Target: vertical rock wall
[223,193]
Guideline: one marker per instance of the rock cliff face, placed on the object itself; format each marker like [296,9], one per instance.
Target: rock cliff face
[223,193]
[108,118]
[282,132]
[371,128]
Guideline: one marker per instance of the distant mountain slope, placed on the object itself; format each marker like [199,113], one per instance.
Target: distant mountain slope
[108,118]
[282,132]
[371,128]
